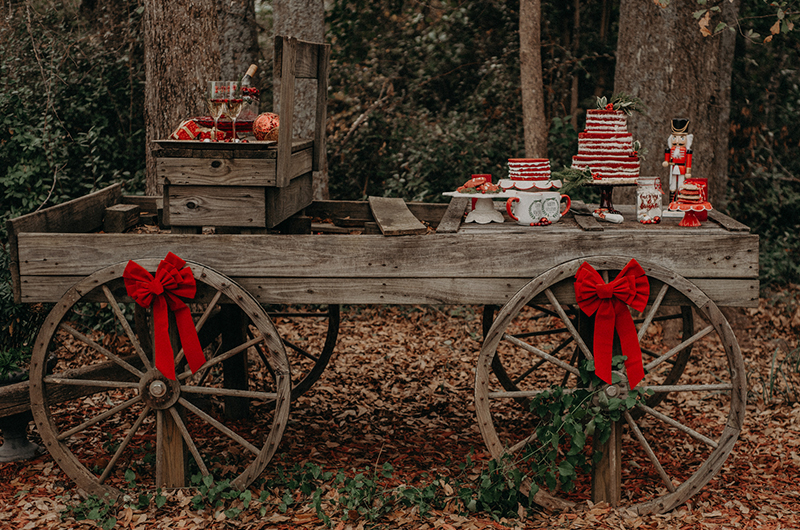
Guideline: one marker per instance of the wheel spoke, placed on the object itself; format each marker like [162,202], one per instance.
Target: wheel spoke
[212,391]
[681,427]
[653,309]
[187,438]
[540,353]
[217,425]
[112,301]
[517,380]
[300,350]
[100,417]
[53,379]
[568,322]
[688,388]
[516,394]
[89,342]
[649,451]
[222,357]
[124,444]
[680,347]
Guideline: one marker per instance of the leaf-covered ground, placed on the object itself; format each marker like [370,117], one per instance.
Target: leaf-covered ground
[399,390]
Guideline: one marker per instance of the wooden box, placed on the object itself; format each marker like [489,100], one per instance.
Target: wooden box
[223,184]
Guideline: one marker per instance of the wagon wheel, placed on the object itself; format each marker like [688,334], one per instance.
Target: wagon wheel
[308,333]
[565,346]
[669,450]
[105,409]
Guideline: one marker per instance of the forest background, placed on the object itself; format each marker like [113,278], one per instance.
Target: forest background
[422,95]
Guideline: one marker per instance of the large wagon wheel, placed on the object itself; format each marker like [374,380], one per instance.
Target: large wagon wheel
[105,409]
[565,345]
[670,449]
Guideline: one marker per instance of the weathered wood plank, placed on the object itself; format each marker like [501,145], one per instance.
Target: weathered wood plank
[431,213]
[120,217]
[588,223]
[721,254]
[251,149]
[726,222]
[229,171]
[215,206]
[306,59]
[78,215]
[736,292]
[282,203]
[452,218]
[216,172]
[394,218]
[147,203]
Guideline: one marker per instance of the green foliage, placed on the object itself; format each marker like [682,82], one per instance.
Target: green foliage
[218,494]
[101,510]
[71,120]
[566,419]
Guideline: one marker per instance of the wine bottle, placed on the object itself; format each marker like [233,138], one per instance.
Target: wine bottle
[250,94]
[247,80]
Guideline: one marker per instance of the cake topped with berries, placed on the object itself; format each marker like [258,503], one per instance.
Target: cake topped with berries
[606,148]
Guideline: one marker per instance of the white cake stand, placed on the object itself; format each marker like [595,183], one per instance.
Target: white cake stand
[484,212]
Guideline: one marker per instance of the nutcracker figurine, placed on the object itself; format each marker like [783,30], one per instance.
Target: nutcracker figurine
[678,155]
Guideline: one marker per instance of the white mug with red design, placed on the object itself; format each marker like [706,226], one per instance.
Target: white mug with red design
[537,208]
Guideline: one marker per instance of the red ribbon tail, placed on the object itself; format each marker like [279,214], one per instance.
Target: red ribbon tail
[189,340]
[629,343]
[603,344]
[165,356]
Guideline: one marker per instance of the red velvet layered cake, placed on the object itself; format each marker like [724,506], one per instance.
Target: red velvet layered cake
[526,174]
[606,147]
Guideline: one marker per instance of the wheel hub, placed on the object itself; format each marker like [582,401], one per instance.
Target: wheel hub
[159,392]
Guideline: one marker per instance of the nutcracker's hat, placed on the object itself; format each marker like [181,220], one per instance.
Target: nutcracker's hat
[680,125]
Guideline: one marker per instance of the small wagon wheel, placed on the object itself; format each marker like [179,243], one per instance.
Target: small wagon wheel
[308,333]
[565,345]
[670,449]
[106,411]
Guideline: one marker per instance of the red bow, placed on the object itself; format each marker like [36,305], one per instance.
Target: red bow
[171,281]
[611,301]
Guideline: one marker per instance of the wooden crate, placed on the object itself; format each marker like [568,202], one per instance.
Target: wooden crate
[224,184]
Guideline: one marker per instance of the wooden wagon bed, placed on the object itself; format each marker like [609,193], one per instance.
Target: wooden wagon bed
[470,264]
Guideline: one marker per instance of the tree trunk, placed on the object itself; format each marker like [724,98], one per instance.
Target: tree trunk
[181,49]
[664,60]
[238,38]
[533,118]
[305,20]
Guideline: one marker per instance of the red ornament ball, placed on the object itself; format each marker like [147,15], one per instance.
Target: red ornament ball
[265,127]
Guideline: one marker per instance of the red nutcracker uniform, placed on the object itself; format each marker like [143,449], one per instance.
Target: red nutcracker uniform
[678,155]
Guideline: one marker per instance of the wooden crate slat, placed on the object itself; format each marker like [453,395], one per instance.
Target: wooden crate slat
[216,171]
[734,292]
[215,206]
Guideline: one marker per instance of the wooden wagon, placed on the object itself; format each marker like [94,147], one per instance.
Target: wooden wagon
[228,418]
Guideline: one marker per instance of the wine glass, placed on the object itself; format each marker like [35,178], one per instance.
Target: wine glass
[234,105]
[217,99]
